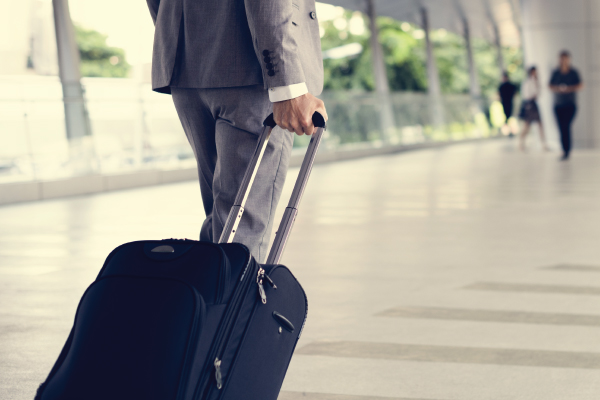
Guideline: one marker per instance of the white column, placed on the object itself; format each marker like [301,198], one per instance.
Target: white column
[76,117]
[574,25]
[474,87]
[498,44]
[436,106]
[381,80]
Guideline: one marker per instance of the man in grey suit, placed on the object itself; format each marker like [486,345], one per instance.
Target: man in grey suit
[228,64]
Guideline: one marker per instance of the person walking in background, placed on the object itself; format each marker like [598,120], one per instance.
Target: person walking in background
[507,91]
[565,83]
[530,112]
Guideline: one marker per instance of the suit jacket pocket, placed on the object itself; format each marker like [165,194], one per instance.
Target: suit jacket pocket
[295,14]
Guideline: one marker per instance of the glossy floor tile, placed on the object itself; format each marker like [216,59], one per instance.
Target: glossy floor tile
[460,273]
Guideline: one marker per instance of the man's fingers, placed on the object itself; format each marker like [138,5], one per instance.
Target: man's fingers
[283,123]
[307,125]
[297,128]
[278,121]
[296,115]
[321,109]
[287,125]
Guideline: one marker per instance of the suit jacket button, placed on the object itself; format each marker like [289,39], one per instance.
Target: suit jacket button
[313,14]
[267,59]
[269,66]
[266,53]
[271,72]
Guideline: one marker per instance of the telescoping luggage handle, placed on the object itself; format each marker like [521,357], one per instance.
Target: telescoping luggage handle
[289,216]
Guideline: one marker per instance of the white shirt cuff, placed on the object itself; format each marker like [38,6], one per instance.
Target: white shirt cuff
[282,93]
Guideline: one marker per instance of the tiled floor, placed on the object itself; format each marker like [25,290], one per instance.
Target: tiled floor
[464,273]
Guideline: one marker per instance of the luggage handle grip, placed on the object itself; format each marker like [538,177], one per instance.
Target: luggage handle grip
[317,119]
[287,222]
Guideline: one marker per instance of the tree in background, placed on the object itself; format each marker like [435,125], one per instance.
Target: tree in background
[404,55]
[97,58]
[348,73]
[404,51]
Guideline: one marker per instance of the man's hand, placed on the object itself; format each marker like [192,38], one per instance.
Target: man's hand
[295,115]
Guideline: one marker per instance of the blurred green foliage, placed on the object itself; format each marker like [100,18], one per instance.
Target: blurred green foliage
[404,55]
[404,51]
[350,73]
[97,58]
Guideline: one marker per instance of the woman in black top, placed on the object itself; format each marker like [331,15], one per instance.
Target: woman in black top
[565,84]
[507,91]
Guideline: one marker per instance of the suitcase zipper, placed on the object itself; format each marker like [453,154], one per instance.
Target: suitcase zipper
[218,376]
[259,281]
[229,322]
[216,394]
[224,332]
[261,274]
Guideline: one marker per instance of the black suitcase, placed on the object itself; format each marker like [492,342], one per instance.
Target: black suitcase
[188,320]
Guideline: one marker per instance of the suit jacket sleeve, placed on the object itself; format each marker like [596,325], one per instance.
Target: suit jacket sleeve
[153,6]
[272,30]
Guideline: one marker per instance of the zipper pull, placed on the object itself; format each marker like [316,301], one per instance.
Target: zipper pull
[273,285]
[218,376]
[259,282]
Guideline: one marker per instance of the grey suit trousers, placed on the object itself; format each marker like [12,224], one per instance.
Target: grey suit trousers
[222,126]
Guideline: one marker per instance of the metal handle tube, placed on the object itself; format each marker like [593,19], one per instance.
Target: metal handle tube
[289,216]
[237,211]
[305,169]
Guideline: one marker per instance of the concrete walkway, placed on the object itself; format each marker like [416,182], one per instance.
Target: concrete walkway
[470,272]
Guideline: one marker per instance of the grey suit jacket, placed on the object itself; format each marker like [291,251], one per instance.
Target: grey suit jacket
[227,43]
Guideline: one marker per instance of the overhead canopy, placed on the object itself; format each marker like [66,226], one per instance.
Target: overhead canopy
[482,15]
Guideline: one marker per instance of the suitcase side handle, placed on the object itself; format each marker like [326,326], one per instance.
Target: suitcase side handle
[287,222]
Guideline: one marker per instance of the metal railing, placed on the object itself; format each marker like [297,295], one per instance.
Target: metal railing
[135,129]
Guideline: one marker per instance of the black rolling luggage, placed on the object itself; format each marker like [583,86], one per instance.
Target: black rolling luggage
[188,320]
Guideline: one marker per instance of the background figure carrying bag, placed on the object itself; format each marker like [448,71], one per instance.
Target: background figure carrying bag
[188,320]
